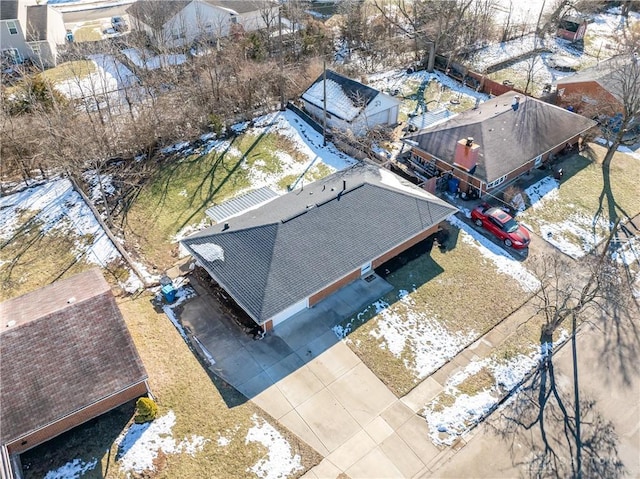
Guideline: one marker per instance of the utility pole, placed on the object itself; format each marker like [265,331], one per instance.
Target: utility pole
[324,95]
[280,54]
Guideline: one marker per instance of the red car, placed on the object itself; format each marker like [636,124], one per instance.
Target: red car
[501,225]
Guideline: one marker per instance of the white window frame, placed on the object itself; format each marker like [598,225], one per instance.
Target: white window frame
[497,182]
[365,269]
[35,48]
[12,54]
[12,25]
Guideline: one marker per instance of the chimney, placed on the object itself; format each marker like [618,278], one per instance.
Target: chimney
[466,154]
[225,227]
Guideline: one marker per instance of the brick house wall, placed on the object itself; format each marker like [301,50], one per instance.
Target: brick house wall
[332,288]
[69,422]
[575,94]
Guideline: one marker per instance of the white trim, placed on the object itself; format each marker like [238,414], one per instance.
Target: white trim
[365,269]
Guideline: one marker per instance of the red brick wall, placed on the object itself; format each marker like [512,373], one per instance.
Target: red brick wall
[314,299]
[80,417]
[573,93]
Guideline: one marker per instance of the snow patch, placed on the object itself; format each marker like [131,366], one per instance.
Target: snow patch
[446,423]
[504,262]
[279,462]
[72,470]
[141,444]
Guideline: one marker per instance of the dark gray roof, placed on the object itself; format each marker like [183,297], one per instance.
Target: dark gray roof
[64,347]
[241,6]
[608,74]
[8,9]
[299,243]
[156,13]
[508,138]
[37,23]
[240,204]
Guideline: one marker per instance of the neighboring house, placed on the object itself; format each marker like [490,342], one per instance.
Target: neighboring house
[492,145]
[67,357]
[286,256]
[572,28]
[30,31]
[179,23]
[597,89]
[350,105]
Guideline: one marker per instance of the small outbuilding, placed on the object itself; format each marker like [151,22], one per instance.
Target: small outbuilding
[350,105]
[572,28]
[67,357]
[288,255]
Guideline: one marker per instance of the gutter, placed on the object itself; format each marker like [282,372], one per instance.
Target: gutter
[33,431]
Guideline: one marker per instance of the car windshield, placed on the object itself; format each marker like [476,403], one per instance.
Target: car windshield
[510,226]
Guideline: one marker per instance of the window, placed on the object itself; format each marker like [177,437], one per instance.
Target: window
[179,35]
[234,19]
[13,27]
[35,48]
[497,182]
[11,56]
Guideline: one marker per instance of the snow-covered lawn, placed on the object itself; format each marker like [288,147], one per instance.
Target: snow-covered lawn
[56,208]
[472,393]
[576,234]
[279,462]
[140,445]
[147,60]
[72,470]
[419,326]
[111,81]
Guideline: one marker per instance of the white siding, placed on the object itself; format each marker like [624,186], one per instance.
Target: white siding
[290,311]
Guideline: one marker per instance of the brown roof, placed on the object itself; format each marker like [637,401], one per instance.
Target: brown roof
[37,23]
[8,9]
[63,347]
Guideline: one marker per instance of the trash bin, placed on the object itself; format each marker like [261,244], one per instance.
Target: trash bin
[453,184]
[169,293]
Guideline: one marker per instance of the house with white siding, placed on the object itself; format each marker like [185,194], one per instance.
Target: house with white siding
[350,105]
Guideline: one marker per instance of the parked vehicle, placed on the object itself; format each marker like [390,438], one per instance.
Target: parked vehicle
[119,24]
[502,225]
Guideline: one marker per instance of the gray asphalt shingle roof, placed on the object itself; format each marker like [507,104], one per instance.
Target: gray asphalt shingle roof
[301,242]
[508,138]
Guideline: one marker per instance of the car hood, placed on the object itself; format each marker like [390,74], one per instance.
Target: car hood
[521,234]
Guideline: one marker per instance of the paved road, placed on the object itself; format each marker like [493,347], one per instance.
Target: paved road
[607,374]
[94,14]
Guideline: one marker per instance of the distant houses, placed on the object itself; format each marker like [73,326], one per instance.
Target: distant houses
[67,357]
[350,105]
[30,31]
[178,23]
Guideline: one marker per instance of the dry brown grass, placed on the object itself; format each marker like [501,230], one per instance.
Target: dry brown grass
[458,287]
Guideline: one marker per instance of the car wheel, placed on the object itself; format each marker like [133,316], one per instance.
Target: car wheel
[508,242]
[478,222]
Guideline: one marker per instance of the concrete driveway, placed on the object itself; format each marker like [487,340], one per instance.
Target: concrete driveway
[314,385]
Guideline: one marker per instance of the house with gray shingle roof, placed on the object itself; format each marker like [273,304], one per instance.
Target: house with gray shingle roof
[30,31]
[67,357]
[281,258]
[350,105]
[489,146]
[177,23]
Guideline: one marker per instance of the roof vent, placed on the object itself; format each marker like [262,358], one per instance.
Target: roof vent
[225,227]
[71,300]
[516,103]
[469,141]
[11,323]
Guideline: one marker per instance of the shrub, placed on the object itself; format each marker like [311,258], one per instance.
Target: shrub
[515,197]
[146,410]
